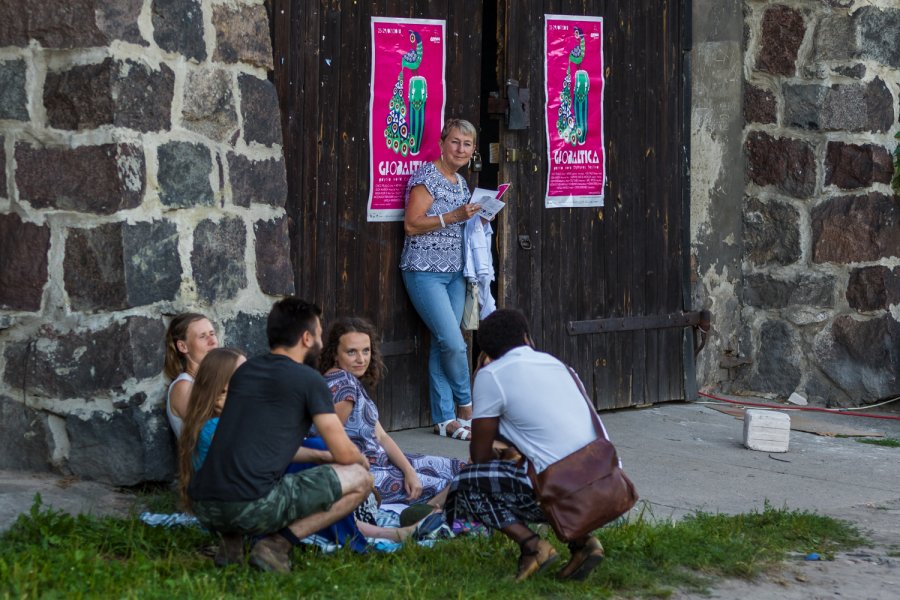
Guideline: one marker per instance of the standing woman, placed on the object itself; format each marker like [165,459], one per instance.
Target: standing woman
[189,338]
[432,263]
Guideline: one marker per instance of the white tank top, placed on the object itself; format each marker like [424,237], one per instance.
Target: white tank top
[174,420]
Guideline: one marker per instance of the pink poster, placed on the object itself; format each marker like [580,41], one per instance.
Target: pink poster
[406,108]
[573,75]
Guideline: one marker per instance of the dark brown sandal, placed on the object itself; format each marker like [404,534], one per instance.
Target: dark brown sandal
[584,559]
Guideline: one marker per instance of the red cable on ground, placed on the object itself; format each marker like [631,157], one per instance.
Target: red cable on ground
[812,408]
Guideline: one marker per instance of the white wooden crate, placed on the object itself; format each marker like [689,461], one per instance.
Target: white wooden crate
[767,430]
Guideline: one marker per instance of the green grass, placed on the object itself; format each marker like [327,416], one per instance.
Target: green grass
[886,442]
[50,554]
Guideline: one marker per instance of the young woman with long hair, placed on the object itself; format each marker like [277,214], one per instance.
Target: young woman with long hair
[189,337]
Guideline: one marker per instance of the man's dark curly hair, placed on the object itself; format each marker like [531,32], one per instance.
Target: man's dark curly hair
[502,331]
[344,325]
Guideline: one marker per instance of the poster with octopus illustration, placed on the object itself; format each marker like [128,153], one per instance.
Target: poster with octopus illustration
[406,107]
[573,76]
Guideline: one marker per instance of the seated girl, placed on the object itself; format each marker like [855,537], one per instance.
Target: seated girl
[188,339]
[207,399]
[350,359]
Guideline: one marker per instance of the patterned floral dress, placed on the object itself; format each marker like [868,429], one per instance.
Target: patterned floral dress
[435,472]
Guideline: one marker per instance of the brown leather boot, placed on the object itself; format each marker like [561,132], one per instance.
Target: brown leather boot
[584,559]
[272,553]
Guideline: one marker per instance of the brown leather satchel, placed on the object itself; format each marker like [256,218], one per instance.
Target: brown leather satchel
[585,490]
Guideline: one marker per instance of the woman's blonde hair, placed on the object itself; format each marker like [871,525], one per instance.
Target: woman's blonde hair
[462,125]
[213,375]
[176,362]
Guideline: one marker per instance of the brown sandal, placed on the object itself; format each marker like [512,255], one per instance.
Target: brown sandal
[535,560]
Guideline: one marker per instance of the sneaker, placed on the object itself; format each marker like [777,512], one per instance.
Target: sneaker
[537,560]
[583,561]
[272,553]
[230,550]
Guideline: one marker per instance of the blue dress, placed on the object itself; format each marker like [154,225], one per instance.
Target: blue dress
[435,472]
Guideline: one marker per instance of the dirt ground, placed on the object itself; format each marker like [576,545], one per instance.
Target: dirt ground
[867,573]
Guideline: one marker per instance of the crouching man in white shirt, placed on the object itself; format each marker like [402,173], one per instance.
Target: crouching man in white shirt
[530,400]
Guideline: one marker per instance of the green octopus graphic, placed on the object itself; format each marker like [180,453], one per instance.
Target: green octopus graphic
[571,121]
[402,133]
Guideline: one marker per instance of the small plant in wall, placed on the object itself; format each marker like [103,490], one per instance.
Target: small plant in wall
[895,182]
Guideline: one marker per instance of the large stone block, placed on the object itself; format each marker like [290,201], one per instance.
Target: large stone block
[260,181]
[121,448]
[178,27]
[771,232]
[25,438]
[69,24]
[273,257]
[85,363]
[759,105]
[782,33]
[878,34]
[856,229]
[242,35]
[152,264]
[143,96]
[218,258]
[58,177]
[850,107]
[248,333]
[24,249]
[778,362]
[260,110]
[80,97]
[116,266]
[858,107]
[873,288]
[787,164]
[861,356]
[850,166]
[803,105]
[835,38]
[184,170]
[13,98]
[128,94]
[209,104]
[765,291]
[94,269]
[118,20]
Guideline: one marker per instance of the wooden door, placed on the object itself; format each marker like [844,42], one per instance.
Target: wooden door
[628,259]
[342,262]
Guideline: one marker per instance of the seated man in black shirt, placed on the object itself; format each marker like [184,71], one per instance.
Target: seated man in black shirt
[272,402]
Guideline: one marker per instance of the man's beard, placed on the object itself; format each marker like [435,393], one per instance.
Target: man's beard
[312,356]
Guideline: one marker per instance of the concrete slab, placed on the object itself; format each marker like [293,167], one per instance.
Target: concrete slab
[18,490]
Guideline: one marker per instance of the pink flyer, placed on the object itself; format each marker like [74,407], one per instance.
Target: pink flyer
[406,107]
[573,76]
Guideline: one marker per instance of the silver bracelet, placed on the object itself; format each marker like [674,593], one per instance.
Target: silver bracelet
[441,217]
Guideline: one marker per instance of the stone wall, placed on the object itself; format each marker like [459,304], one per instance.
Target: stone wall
[141,175]
[819,287]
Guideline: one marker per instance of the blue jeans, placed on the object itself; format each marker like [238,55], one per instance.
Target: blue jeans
[439,299]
